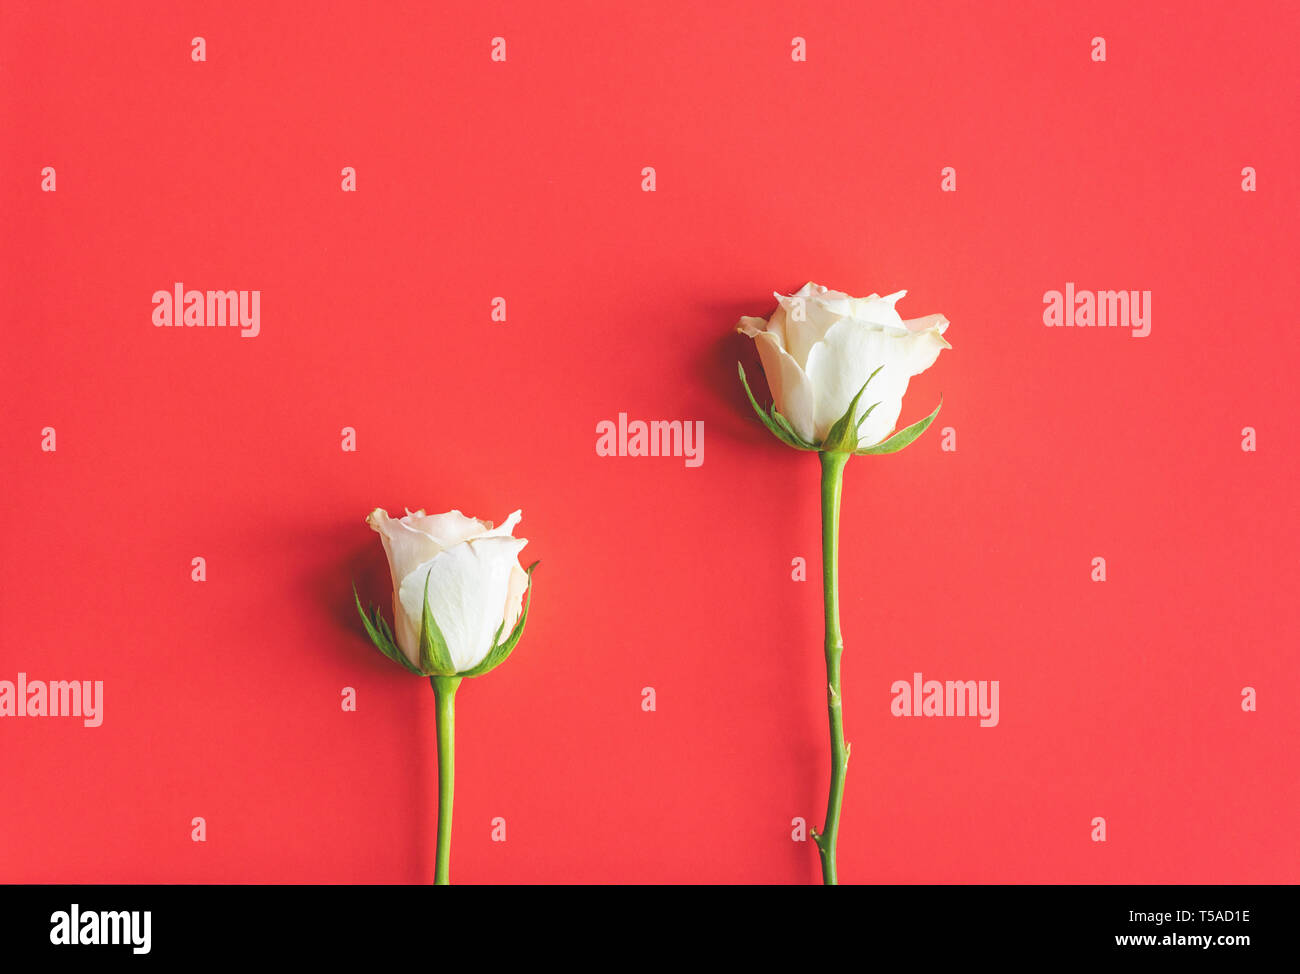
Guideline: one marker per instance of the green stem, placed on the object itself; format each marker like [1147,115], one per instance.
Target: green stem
[832,479]
[444,695]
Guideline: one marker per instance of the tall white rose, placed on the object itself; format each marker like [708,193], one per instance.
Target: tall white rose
[474,582]
[838,368]
[820,346]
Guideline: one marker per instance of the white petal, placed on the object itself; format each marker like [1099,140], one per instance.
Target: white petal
[446,529]
[406,550]
[928,321]
[809,313]
[791,390]
[507,527]
[838,367]
[515,598]
[837,302]
[925,341]
[468,587]
[518,577]
[776,325]
[879,311]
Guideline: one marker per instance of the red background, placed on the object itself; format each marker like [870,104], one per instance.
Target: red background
[478,179]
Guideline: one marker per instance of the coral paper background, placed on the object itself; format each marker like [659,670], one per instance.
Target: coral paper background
[523,179]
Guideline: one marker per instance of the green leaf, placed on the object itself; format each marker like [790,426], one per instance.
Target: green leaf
[843,436]
[381,635]
[903,437]
[435,658]
[501,651]
[777,424]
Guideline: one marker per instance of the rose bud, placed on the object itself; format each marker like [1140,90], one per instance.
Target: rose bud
[458,592]
[821,349]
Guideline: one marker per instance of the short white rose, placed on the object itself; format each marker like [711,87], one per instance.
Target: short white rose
[820,346]
[475,584]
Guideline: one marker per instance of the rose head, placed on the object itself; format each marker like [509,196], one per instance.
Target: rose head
[820,348]
[458,592]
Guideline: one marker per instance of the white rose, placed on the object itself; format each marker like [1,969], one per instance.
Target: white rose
[820,346]
[475,585]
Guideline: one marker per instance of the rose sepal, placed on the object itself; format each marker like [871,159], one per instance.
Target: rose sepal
[776,423]
[381,635]
[842,437]
[435,657]
[902,438]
